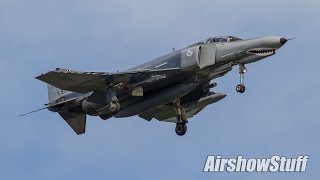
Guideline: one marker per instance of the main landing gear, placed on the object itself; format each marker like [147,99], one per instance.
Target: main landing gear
[181,127]
[241,88]
[114,107]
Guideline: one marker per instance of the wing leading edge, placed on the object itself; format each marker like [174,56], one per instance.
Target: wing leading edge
[84,82]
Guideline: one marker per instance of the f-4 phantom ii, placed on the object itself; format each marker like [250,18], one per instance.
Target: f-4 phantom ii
[171,88]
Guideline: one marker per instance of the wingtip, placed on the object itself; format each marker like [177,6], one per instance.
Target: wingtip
[38,77]
[42,74]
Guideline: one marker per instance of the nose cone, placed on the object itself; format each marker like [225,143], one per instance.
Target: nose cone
[283,41]
[272,42]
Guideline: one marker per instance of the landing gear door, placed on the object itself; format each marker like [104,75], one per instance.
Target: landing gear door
[207,55]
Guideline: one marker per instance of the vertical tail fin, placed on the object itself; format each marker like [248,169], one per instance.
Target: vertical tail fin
[76,121]
[55,93]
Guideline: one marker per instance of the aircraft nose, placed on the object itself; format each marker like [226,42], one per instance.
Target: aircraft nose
[283,41]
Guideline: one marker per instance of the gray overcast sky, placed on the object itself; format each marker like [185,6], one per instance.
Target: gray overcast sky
[278,114]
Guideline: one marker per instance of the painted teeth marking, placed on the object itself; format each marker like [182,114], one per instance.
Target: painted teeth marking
[262,51]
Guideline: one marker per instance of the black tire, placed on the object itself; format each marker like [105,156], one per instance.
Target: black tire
[239,88]
[181,129]
[243,89]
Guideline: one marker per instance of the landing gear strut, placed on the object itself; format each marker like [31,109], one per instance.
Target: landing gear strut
[241,87]
[111,97]
[181,127]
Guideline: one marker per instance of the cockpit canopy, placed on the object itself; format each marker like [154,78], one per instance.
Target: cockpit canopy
[219,39]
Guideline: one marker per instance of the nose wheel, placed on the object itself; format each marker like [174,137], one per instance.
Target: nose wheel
[181,126]
[241,88]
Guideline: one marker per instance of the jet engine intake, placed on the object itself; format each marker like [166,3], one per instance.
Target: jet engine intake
[190,58]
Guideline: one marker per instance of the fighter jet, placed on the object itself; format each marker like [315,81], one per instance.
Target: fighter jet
[171,88]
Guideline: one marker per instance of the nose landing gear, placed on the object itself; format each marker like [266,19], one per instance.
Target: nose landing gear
[241,88]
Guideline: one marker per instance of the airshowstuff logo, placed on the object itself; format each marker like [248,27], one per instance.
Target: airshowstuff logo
[240,164]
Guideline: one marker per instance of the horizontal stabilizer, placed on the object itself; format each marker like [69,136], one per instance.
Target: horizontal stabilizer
[75,120]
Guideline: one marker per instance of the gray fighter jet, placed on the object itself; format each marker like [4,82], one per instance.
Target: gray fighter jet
[171,88]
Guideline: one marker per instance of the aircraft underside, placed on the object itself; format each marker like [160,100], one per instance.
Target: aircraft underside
[171,88]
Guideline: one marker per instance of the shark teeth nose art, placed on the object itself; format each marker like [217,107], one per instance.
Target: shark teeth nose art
[262,51]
